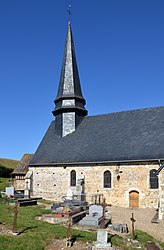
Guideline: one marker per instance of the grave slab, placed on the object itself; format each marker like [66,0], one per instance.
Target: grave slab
[94,218]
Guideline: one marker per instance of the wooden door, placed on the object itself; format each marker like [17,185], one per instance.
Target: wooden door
[133,199]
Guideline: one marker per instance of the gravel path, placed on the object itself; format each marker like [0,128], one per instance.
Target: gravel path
[143,217]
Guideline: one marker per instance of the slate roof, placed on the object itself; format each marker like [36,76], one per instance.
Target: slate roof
[69,84]
[134,135]
[23,164]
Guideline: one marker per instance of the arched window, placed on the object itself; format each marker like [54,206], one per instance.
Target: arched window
[73,178]
[107,179]
[153,179]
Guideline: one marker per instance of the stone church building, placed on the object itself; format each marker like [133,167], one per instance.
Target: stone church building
[117,155]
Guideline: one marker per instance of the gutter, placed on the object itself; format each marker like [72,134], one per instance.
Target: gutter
[159,170]
[65,164]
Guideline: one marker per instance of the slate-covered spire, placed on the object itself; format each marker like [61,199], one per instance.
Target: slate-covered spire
[69,109]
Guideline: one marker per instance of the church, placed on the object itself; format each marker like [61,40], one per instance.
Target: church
[118,156]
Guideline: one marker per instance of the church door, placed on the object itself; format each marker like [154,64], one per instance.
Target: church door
[133,199]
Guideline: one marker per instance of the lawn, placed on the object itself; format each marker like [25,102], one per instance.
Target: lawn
[36,235]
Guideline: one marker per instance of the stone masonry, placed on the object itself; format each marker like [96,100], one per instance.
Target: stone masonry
[54,182]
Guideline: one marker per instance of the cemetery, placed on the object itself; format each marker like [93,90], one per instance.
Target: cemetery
[95,182]
[73,222]
[65,222]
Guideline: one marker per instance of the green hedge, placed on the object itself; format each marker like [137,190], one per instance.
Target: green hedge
[5,172]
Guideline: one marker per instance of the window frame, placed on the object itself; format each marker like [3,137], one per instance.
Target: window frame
[153,179]
[107,183]
[73,178]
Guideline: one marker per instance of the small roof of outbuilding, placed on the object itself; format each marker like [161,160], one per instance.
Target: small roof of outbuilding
[134,135]
[23,164]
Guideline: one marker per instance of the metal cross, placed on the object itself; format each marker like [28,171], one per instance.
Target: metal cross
[69,11]
[133,221]
[103,214]
[15,217]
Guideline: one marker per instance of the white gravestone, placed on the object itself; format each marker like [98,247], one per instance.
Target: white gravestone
[10,191]
[69,194]
[102,236]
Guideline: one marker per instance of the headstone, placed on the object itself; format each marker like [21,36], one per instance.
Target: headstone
[26,190]
[10,191]
[79,189]
[102,240]
[95,210]
[26,193]
[69,194]
[102,236]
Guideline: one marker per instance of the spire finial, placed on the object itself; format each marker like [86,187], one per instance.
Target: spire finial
[69,12]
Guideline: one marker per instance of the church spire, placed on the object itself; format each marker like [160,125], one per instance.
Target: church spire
[69,109]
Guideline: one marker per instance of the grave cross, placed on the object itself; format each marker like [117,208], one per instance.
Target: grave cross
[69,233]
[15,216]
[103,214]
[133,221]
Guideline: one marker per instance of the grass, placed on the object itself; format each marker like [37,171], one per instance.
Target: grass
[8,163]
[47,202]
[37,235]
[143,237]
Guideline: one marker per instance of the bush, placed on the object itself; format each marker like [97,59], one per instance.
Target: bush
[5,172]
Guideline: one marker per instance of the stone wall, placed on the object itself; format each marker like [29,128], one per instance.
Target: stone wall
[54,182]
[19,184]
[161,195]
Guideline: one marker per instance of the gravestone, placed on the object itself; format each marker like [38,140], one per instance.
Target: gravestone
[69,194]
[94,218]
[10,191]
[95,210]
[102,236]
[102,241]
[26,191]
[79,192]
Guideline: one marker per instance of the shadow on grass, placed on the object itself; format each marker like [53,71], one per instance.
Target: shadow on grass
[77,236]
[110,237]
[26,229]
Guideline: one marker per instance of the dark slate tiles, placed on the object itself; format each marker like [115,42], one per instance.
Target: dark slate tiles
[123,136]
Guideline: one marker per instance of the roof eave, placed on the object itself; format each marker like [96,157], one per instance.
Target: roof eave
[94,163]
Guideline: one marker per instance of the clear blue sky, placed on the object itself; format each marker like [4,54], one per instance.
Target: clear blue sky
[120,53]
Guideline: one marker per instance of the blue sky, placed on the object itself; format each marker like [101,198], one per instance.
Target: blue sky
[120,53]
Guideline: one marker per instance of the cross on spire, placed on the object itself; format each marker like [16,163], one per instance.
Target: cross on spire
[69,11]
